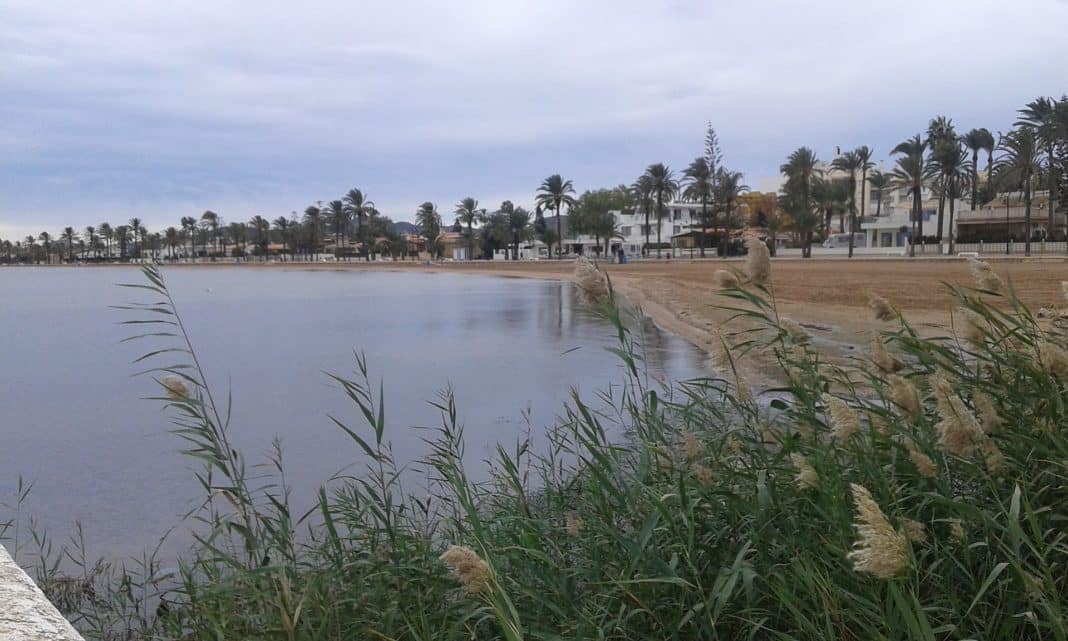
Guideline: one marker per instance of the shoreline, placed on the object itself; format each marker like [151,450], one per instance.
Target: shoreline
[826,296]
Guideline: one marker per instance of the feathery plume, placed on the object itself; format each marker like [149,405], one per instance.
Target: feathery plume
[882,308]
[1054,360]
[734,445]
[916,531]
[691,447]
[905,396]
[574,524]
[796,333]
[971,325]
[704,475]
[956,529]
[988,414]
[593,289]
[958,432]
[757,261]
[806,474]
[984,276]
[742,389]
[882,358]
[844,420]
[924,465]
[725,279]
[175,387]
[992,456]
[879,550]
[468,568]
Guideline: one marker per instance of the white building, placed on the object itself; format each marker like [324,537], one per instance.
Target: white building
[680,217]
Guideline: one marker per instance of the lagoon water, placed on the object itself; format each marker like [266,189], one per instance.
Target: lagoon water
[73,422]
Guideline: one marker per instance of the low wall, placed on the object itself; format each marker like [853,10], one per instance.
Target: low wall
[25,613]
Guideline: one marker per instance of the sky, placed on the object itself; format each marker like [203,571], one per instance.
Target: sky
[110,110]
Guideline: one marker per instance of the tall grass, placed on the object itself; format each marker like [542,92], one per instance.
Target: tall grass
[916,494]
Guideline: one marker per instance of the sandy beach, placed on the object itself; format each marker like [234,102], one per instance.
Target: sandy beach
[827,296]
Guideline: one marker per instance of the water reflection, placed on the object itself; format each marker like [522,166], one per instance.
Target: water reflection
[71,418]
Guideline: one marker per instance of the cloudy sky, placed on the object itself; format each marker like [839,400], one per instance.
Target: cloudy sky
[110,110]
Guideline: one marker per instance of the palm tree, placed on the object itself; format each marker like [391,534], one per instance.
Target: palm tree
[663,184]
[516,225]
[975,141]
[357,206]
[135,228]
[864,153]
[728,188]
[210,220]
[911,173]
[799,168]
[69,235]
[313,218]
[1040,116]
[468,213]
[940,130]
[282,224]
[122,236]
[429,223]
[1020,164]
[949,161]
[338,216]
[189,226]
[698,178]
[172,238]
[850,162]
[90,236]
[262,228]
[880,183]
[553,193]
[643,192]
[238,232]
[46,240]
[107,233]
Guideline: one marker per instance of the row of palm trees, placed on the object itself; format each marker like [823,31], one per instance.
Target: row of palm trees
[352,222]
[1031,156]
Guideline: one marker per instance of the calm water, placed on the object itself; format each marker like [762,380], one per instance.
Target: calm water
[71,418]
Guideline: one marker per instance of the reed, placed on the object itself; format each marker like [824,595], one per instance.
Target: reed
[846,504]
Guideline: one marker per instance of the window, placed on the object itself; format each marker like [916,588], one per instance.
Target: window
[677,214]
[624,231]
[677,229]
[647,229]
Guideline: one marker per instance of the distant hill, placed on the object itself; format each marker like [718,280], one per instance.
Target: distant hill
[406,228]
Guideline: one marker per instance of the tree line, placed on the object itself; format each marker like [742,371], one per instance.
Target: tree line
[1030,157]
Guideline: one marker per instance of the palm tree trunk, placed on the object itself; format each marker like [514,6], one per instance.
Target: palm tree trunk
[941,213]
[1027,217]
[975,177]
[559,234]
[646,231]
[952,232]
[659,220]
[920,214]
[704,229]
[1051,163]
[727,230]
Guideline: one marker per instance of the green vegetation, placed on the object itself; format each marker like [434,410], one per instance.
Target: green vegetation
[939,164]
[913,493]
